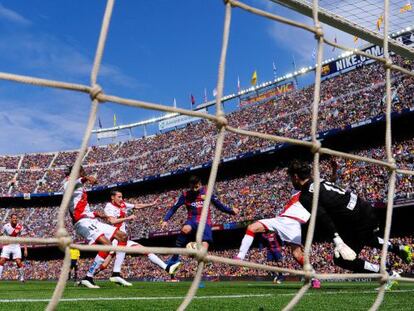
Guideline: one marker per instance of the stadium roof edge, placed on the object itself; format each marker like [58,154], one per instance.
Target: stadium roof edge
[346,25]
[288,76]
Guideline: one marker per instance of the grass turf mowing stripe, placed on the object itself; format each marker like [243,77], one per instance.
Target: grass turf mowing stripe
[135,298]
[197,297]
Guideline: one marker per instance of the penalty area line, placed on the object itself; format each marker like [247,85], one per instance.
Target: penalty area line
[133,298]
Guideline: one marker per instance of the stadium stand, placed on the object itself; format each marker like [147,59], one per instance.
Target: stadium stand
[258,195]
[347,99]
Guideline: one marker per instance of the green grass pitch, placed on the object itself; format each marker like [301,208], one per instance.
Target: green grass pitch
[215,296]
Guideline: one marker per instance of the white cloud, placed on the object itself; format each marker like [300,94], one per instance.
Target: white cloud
[302,42]
[42,120]
[9,15]
[56,122]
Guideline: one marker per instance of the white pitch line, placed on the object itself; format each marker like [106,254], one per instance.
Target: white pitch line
[134,298]
[198,297]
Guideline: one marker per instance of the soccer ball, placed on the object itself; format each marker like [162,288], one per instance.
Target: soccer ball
[191,245]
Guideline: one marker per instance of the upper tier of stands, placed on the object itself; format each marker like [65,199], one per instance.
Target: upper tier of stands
[345,99]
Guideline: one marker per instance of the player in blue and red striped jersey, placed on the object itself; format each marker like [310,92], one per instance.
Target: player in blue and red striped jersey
[193,199]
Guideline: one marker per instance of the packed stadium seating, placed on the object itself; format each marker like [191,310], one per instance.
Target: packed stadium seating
[347,98]
[258,195]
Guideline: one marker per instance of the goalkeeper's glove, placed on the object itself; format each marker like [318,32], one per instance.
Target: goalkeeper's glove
[343,250]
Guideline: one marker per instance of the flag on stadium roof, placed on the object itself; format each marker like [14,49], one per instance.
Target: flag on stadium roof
[379,22]
[238,84]
[274,70]
[192,100]
[254,78]
[355,39]
[407,7]
[214,92]
[114,119]
[336,42]
[314,53]
[99,123]
[175,103]
[205,95]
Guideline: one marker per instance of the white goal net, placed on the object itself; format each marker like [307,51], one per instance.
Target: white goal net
[325,14]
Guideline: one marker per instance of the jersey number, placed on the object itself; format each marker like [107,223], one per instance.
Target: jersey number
[332,187]
[92,227]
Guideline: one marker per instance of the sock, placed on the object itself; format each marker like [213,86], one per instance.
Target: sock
[99,259]
[21,273]
[301,260]
[181,241]
[1,270]
[245,244]
[371,267]
[119,258]
[157,260]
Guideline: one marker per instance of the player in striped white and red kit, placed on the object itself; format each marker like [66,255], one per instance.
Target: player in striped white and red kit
[13,251]
[287,225]
[116,212]
[87,225]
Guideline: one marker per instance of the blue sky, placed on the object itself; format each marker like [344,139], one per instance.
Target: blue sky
[156,51]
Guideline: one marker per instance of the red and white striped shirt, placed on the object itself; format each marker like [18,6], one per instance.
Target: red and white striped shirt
[78,206]
[8,230]
[295,210]
[118,211]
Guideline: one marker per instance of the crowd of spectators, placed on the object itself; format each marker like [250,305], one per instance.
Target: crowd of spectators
[141,268]
[257,195]
[345,99]
[9,162]
[37,160]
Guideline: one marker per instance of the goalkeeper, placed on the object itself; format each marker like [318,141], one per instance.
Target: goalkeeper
[349,221]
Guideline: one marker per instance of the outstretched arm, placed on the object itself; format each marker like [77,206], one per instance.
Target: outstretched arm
[323,218]
[145,205]
[113,220]
[174,208]
[217,203]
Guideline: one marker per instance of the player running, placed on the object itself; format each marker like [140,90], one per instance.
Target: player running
[116,212]
[349,221]
[89,227]
[13,251]
[193,199]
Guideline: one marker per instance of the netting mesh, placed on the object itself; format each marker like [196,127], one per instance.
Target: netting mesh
[63,240]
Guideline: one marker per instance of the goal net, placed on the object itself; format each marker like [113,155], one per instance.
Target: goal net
[327,13]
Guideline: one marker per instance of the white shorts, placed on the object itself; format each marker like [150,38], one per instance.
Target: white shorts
[289,229]
[91,229]
[11,251]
